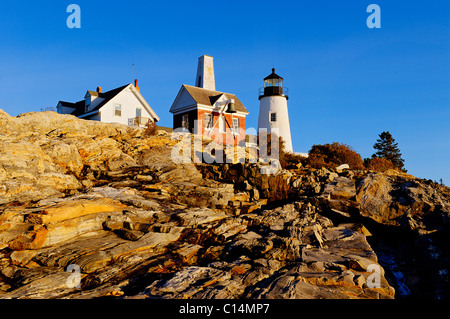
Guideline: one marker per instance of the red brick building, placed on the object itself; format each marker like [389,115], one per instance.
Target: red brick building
[203,110]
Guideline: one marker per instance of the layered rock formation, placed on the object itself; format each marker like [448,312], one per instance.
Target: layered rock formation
[90,210]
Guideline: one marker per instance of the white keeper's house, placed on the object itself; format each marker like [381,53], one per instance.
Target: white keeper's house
[124,105]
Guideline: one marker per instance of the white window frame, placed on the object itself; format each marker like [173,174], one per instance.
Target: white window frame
[273,115]
[115,109]
[185,121]
[235,128]
[138,108]
[208,123]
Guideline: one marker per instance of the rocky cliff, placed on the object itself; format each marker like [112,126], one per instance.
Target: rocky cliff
[91,210]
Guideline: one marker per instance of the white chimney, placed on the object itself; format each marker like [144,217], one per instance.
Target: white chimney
[205,73]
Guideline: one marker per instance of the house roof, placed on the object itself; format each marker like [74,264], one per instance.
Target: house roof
[208,97]
[107,96]
[80,106]
[72,105]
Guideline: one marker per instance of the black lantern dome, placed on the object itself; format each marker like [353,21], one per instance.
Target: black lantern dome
[273,85]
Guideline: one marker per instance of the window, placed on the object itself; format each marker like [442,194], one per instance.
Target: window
[138,112]
[88,103]
[236,126]
[117,109]
[185,121]
[273,117]
[208,121]
[222,124]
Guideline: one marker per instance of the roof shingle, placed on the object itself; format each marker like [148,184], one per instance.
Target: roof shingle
[208,97]
[80,106]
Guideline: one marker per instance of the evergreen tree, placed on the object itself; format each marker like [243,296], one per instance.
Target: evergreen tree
[388,149]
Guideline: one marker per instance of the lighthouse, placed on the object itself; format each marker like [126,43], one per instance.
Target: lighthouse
[273,110]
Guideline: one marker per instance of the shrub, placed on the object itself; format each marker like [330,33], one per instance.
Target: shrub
[48,109]
[378,164]
[150,129]
[333,155]
[287,160]
[290,160]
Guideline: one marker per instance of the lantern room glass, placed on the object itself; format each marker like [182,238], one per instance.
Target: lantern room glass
[273,82]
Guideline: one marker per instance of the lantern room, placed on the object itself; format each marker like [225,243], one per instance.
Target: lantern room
[273,85]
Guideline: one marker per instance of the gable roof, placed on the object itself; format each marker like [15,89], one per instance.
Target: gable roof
[107,96]
[208,97]
[80,106]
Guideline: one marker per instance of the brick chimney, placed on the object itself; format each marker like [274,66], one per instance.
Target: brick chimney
[99,89]
[136,85]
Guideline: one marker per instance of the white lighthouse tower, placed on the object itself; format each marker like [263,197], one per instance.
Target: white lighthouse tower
[273,110]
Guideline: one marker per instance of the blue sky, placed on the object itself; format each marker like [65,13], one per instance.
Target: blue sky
[347,83]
